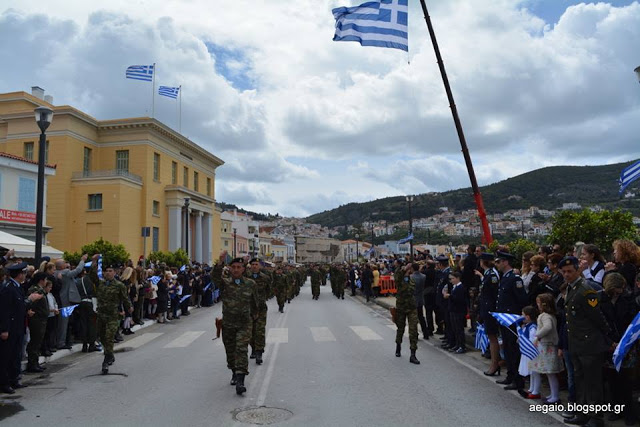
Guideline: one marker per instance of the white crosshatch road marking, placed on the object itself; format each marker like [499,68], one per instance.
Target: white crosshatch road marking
[322,334]
[278,335]
[365,333]
[184,339]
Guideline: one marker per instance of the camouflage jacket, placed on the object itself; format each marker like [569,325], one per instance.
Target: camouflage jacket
[40,307]
[239,299]
[316,277]
[280,281]
[405,299]
[263,288]
[110,294]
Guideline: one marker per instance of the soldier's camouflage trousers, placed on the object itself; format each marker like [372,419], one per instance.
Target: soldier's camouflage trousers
[315,289]
[281,296]
[258,331]
[236,337]
[107,328]
[411,317]
[36,333]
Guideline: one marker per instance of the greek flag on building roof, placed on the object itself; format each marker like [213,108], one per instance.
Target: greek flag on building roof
[140,72]
[171,92]
[630,336]
[381,23]
[628,175]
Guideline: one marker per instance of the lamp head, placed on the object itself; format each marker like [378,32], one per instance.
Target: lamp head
[44,116]
[637,70]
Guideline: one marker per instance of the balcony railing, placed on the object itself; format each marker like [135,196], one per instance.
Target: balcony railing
[111,173]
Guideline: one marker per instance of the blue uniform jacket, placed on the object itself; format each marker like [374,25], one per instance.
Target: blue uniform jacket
[512,296]
[457,300]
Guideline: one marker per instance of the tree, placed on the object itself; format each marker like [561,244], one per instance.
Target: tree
[598,228]
[518,247]
[111,253]
[171,259]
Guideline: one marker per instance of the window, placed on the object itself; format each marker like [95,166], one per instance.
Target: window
[185,177]
[122,160]
[156,167]
[174,173]
[27,195]
[226,243]
[155,242]
[156,207]
[28,150]
[195,180]
[46,152]
[208,186]
[95,202]
[86,161]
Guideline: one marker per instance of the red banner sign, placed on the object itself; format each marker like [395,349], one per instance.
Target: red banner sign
[17,216]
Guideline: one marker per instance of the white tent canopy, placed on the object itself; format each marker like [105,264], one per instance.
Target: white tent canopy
[25,248]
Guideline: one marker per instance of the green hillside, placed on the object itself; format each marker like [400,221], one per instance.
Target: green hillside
[546,188]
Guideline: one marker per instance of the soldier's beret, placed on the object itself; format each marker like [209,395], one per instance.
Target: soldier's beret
[568,260]
[38,277]
[254,260]
[487,256]
[113,265]
[235,260]
[17,266]
[442,259]
[505,255]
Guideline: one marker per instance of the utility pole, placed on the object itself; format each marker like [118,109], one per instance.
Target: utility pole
[409,201]
[234,241]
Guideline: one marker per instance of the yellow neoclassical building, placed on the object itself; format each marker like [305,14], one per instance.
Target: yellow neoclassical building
[115,177]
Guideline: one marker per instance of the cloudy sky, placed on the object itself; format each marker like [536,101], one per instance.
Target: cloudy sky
[305,124]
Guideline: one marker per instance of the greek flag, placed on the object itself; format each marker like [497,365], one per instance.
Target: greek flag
[526,346]
[66,311]
[155,279]
[171,92]
[381,23]
[183,268]
[506,319]
[140,72]
[184,298]
[216,294]
[626,342]
[406,239]
[100,267]
[628,175]
[482,340]
[206,288]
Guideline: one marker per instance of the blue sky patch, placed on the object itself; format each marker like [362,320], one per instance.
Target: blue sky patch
[233,65]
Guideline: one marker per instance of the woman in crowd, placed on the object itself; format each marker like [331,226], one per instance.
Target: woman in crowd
[554,279]
[152,295]
[129,280]
[592,264]
[375,286]
[627,258]
[49,341]
[138,306]
[162,296]
[537,284]
[525,271]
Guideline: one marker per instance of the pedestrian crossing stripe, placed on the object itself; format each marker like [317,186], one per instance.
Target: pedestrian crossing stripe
[365,333]
[185,339]
[322,334]
[139,341]
[277,335]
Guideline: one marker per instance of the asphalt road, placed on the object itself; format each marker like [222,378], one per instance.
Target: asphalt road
[327,363]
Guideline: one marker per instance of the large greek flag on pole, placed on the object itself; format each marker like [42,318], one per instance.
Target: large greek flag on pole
[406,239]
[630,336]
[140,72]
[506,319]
[171,92]
[381,23]
[628,175]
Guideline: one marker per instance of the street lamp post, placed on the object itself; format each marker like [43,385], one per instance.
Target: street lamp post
[409,200]
[186,226]
[234,242]
[44,115]
[357,248]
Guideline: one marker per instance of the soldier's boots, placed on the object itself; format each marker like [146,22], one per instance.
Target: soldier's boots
[413,359]
[240,388]
[253,354]
[234,379]
[111,359]
[105,366]
[281,310]
[259,357]
[398,347]
[85,348]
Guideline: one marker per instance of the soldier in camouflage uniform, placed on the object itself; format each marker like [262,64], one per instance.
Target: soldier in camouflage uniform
[216,275]
[280,287]
[323,272]
[111,293]
[341,281]
[37,322]
[239,309]
[316,280]
[406,309]
[263,288]
[291,284]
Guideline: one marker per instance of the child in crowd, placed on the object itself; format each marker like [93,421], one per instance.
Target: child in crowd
[546,340]
[529,330]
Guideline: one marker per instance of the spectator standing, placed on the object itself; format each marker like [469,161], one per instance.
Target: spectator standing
[68,295]
[528,328]
[457,311]
[37,323]
[592,264]
[419,279]
[546,339]
[627,258]
[86,311]
[49,340]
[487,304]
[375,286]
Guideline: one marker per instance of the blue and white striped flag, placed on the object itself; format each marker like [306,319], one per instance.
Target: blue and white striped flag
[155,279]
[140,72]
[184,298]
[406,239]
[626,342]
[183,268]
[216,294]
[66,311]
[506,319]
[526,346]
[100,267]
[628,175]
[206,288]
[171,92]
[381,23]
[482,340]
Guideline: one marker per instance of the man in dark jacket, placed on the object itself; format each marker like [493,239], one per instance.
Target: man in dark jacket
[419,279]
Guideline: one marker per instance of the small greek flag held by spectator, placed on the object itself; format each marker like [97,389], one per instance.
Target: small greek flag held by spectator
[87,264]
[171,92]
[206,288]
[482,340]
[628,175]
[526,346]
[381,23]
[506,319]
[155,279]
[183,268]
[358,283]
[406,239]
[140,72]
[66,311]
[100,267]
[184,298]
[216,294]
[626,342]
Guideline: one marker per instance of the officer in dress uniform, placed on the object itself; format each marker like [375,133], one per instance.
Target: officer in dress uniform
[512,298]
[14,309]
[444,287]
[487,303]
[587,330]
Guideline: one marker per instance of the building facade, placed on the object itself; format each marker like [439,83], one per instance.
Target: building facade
[114,177]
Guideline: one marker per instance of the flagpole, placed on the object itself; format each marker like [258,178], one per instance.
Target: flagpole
[180,109]
[153,91]
[482,213]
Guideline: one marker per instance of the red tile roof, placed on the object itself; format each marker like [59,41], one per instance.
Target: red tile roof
[22,159]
